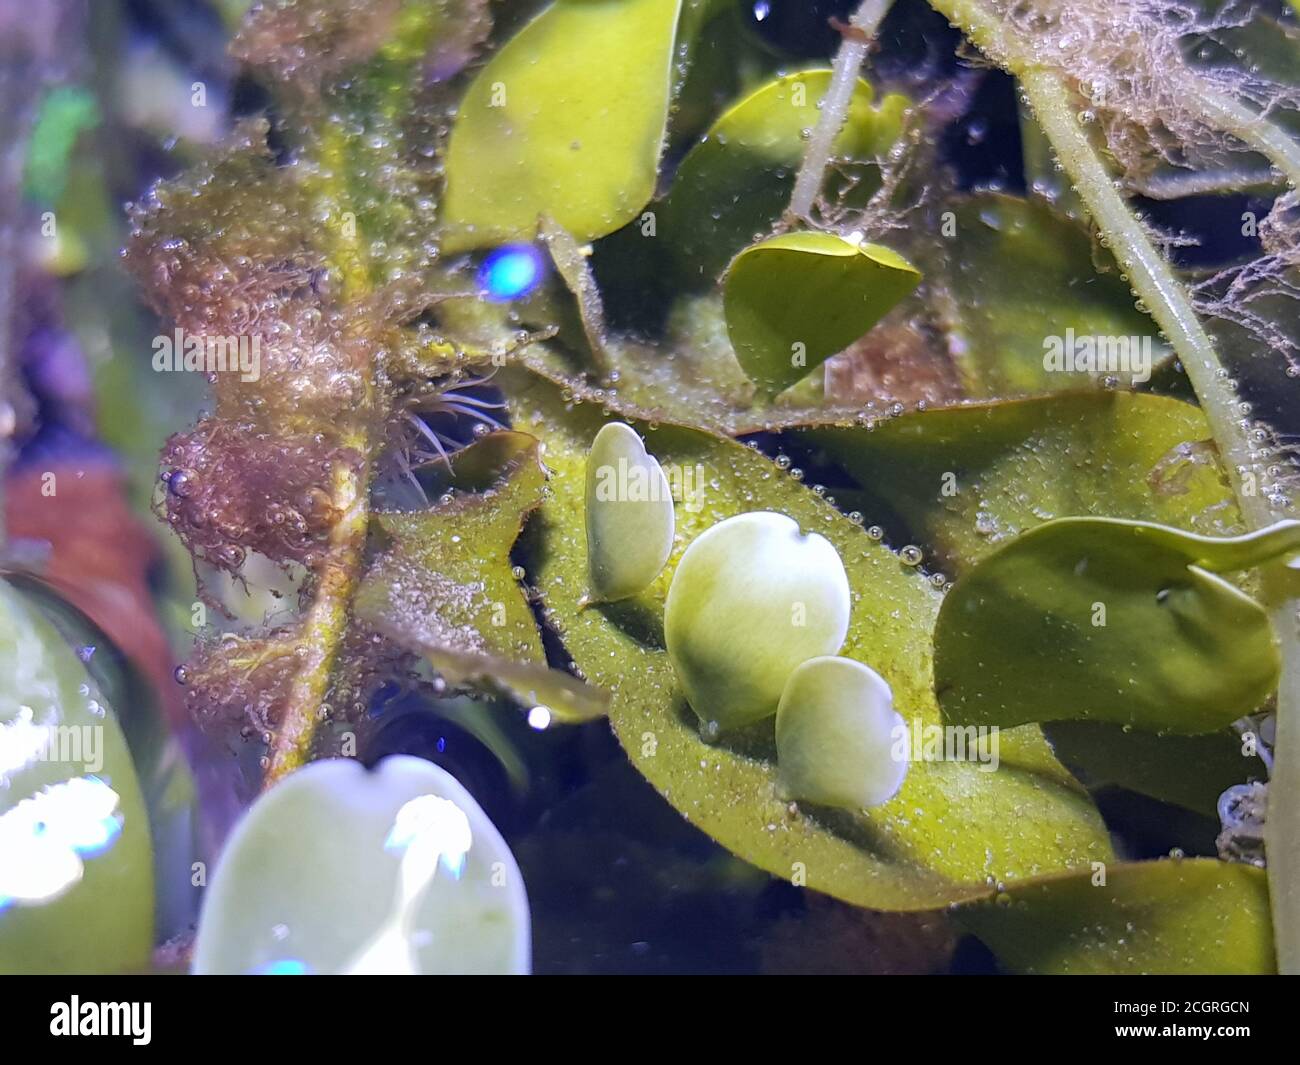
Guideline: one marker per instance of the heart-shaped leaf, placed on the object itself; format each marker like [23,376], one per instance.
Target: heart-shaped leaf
[951,827]
[794,301]
[1108,620]
[76,872]
[737,181]
[629,514]
[1189,916]
[341,869]
[566,120]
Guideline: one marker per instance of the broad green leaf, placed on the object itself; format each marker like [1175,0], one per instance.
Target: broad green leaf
[629,514]
[794,301]
[966,479]
[566,120]
[1021,281]
[1104,620]
[342,869]
[445,588]
[951,828]
[76,868]
[1190,771]
[1188,917]
[736,182]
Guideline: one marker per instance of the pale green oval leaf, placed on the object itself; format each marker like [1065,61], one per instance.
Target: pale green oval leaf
[751,598]
[566,120]
[1185,917]
[1103,620]
[794,301]
[629,514]
[838,735]
[343,869]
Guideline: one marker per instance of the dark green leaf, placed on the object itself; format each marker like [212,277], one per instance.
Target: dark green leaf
[1021,274]
[1191,771]
[1106,620]
[966,479]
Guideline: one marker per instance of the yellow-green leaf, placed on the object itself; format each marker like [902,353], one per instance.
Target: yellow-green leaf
[1186,917]
[566,120]
[446,589]
[951,828]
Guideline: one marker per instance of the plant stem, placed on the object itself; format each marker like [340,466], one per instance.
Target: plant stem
[325,620]
[835,105]
[1232,116]
[323,625]
[1154,282]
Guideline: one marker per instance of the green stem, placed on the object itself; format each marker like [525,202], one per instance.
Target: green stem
[1154,282]
[835,105]
[1274,143]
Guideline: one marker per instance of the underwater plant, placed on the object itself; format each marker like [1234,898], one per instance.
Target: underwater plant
[619,364]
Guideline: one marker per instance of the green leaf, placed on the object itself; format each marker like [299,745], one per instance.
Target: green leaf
[406,875]
[1190,916]
[566,120]
[794,301]
[1021,273]
[1106,620]
[950,829]
[1190,771]
[76,872]
[837,735]
[446,588]
[737,181]
[752,598]
[966,479]
[629,514]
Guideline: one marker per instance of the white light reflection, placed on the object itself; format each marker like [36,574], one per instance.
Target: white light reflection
[427,831]
[21,741]
[44,839]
